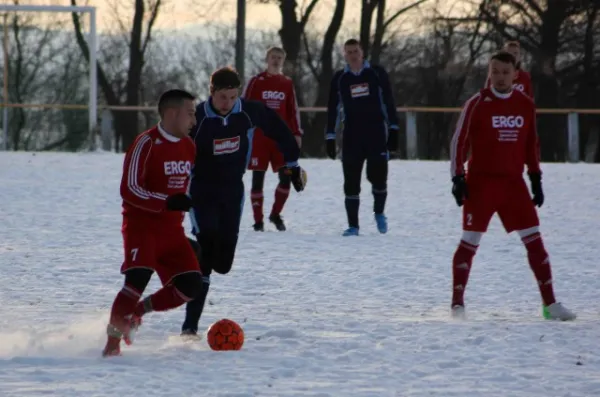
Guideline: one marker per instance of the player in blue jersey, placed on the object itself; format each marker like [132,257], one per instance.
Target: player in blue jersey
[362,95]
[223,137]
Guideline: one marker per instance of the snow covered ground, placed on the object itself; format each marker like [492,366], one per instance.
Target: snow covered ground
[324,315]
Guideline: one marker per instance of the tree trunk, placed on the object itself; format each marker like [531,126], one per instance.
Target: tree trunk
[551,128]
[314,141]
[366,15]
[379,31]
[290,35]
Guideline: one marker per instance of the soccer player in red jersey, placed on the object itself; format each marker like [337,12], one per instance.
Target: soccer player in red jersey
[155,180]
[276,90]
[497,127]
[522,81]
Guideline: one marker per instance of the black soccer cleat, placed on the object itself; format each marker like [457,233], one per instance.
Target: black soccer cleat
[277,221]
[259,227]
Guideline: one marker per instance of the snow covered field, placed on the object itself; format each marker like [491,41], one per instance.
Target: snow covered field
[324,315]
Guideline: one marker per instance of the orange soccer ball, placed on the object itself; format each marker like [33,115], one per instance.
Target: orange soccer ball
[225,334]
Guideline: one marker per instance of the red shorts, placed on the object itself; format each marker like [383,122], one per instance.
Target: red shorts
[509,197]
[265,151]
[168,253]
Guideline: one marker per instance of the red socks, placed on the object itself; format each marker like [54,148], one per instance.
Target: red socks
[540,265]
[124,305]
[461,267]
[127,302]
[164,299]
[281,196]
[538,261]
[257,198]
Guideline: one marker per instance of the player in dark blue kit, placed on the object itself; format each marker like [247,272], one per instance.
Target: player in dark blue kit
[223,138]
[362,95]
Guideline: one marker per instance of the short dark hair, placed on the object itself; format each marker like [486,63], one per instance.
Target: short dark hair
[173,99]
[352,42]
[224,79]
[504,56]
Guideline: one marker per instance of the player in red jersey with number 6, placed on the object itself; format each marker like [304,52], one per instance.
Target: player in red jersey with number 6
[154,188]
[277,92]
[497,127]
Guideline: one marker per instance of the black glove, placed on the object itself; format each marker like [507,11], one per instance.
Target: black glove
[392,142]
[459,189]
[297,177]
[179,202]
[536,189]
[331,149]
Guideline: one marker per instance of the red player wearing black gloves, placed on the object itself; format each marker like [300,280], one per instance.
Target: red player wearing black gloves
[497,127]
[155,180]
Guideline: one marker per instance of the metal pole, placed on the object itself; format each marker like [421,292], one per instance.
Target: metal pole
[573,137]
[93,110]
[240,38]
[5,90]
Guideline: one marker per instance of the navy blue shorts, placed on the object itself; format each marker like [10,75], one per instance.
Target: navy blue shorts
[217,211]
[369,144]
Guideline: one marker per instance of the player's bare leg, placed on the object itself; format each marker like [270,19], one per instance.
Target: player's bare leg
[461,268]
[257,199]
[539,261]
[282,192]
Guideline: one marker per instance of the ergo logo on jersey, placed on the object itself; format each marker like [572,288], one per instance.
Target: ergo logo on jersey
[508,121]
[278,95]
[177,167]
[519,87]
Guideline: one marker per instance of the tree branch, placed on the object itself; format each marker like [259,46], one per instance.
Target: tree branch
[401,11]
[307,13]
[153,17]
[309,58]
[111,98]
[532,4]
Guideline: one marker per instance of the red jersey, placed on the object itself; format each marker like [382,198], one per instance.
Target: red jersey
[499,131]
[277,92]
[522,82]
[157,165]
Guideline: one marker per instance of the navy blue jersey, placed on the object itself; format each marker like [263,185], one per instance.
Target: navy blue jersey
[363,99]
[224,143]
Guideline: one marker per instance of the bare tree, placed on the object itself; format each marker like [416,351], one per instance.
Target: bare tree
[139,33]
[449,69]
[373,43]
[40,61]
[293,25]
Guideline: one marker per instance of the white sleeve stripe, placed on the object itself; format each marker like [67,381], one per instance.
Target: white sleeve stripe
[133,168]
[457,132]
[132,177]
